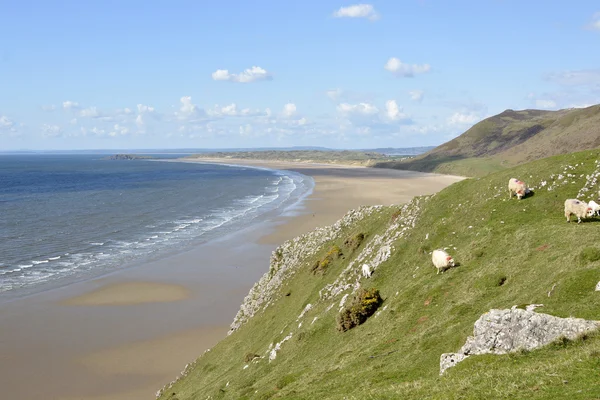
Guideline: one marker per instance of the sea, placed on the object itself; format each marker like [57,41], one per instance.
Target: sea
[65,218]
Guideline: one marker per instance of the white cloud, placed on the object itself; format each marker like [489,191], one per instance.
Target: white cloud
[143,109]
[545,103]
[334,94]
[70,105]
[583,105]
[463,119]
[188,109]
[5,122]
[357,11]
[73,121]
[49,108]
[393,112]
[232,110]
[595,24]
[289,110]
[91,112]
[246,130]
[249,75]
[98,132]
[357,109]
[400,69]
[416,95]
[118,130]
[139,121]
[51,130]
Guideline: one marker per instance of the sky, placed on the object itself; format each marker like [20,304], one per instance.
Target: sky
[120,74]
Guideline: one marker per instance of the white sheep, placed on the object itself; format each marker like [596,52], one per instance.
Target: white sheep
[595,207]
[367,271]
[442,260]
[517,187]
[578,208]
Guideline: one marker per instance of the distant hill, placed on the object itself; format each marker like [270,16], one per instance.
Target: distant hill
[401,151]
[508,139]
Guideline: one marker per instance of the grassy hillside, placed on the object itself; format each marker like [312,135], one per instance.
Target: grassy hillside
[331,157]
[508,139]
[510,252]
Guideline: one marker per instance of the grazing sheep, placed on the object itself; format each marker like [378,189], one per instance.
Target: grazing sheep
[367,271]
[442,260]
[517,187]
[578,208]
[595,207]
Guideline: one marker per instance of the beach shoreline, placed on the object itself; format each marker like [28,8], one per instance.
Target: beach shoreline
[125,335]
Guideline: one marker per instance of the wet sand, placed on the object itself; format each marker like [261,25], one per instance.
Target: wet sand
[125,335]
[128,293]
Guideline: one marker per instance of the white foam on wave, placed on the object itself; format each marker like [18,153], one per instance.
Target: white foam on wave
[35,262]
[54,258]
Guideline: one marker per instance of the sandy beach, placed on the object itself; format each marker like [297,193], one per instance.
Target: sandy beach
[125,335]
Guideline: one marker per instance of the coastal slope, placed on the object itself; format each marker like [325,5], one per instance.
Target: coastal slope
[508,139]
[285,341]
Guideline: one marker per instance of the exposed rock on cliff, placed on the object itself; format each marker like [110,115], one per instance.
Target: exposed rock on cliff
[504,331]
[287,259]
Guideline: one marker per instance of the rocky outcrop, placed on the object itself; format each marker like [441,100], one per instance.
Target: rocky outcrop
[287,259]
[504,331]
[377,251]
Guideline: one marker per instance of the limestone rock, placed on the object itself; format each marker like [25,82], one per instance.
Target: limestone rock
[504,331]
[448,360]
[598,287]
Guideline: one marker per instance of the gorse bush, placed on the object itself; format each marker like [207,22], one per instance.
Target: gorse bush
[363,305]
[355,241]
[250,356]
[321,265]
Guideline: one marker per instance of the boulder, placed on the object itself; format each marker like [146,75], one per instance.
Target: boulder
[504,331]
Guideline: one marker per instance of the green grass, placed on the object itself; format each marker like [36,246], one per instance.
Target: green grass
[510,252]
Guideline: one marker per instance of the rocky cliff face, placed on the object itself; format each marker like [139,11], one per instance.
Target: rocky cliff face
[287,259]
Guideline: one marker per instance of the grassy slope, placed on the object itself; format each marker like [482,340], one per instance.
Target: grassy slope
[509,139]
[527,243]
[331,157]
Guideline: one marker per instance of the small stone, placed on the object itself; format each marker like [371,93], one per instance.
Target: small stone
[598,287]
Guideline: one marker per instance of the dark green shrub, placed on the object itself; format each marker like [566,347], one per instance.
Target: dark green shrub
[321,266]
[589,254]
[250,356]
[355,241]
[363,305]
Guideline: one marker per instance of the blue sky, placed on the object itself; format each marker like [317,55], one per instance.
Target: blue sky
[193,74]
